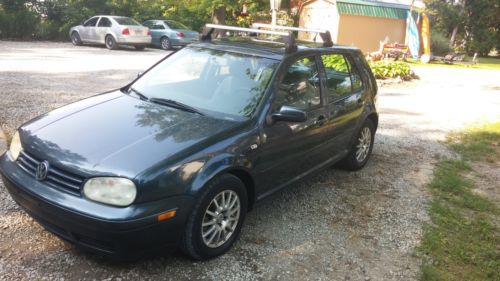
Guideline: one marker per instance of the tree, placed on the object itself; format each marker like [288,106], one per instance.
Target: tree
[475,24]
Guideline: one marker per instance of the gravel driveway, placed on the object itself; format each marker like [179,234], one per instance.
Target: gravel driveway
[335,225]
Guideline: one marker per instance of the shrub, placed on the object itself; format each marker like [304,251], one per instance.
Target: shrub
[392,69]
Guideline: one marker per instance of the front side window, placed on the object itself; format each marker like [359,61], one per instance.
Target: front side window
[91,22]
[227,84]
[300,86]
[338,78]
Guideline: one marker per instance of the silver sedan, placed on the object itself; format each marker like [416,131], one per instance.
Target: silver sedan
[111,31]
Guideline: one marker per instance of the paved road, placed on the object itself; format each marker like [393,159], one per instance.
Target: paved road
[333,226]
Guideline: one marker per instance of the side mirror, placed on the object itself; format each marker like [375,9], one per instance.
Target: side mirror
[290,114]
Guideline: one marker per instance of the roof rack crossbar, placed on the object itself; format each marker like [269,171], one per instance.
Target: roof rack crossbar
[324,34]
[289,37]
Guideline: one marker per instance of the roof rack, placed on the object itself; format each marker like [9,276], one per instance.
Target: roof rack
[290,46]
[325,34]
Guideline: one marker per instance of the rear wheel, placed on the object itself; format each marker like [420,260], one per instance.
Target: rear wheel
[165,43]
[216,220]
[140,48]
[75,39]
[110,42]
[361,149]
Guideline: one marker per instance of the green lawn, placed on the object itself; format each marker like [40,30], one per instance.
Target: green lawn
[483,63]
[462,241]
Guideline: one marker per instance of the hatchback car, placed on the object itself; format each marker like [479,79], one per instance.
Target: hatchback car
[112,31]
[167,34]
[181,154]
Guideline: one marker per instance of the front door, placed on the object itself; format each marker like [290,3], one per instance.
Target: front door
[289,150]
[87,34]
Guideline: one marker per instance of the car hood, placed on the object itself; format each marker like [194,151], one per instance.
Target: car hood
[116,134]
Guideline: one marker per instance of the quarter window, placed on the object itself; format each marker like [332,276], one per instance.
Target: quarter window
[357,83]
[300,85]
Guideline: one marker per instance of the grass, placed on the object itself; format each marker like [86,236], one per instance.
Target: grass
[462,242]
[483,63]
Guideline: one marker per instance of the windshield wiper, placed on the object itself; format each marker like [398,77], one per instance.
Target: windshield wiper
[139,94]
[176,104]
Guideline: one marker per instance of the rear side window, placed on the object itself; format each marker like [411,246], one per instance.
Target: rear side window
[91,22]
[104,22]
[338,81]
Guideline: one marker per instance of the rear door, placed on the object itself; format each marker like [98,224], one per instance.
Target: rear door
[102,29]
[345,93]
[290,149]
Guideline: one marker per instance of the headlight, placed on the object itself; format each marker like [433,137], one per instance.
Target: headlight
[113,191]
[15,146]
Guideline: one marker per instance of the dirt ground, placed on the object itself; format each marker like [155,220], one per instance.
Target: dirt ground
[335,225]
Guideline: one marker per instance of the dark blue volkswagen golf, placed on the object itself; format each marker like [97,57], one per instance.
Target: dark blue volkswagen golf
[181,154]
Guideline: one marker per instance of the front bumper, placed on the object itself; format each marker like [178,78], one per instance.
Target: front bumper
[111,231]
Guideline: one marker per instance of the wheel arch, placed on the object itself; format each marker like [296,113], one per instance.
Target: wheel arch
[249,183]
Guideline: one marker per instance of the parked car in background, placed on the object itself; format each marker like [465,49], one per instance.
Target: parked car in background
[179,155]
[168,33]
[111,31]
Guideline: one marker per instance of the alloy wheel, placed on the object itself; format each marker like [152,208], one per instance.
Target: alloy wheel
[220,219]
[364,143]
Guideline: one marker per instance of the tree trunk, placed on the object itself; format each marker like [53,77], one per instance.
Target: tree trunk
[453,36]
[219,17]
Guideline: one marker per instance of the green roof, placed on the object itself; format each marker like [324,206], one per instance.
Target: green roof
[371,9]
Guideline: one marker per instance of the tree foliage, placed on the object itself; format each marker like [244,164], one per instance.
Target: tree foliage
[476,23]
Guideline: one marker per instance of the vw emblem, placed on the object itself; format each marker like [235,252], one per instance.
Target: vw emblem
[42,170]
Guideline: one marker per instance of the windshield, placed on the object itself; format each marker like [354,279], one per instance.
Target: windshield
[212,81]
[125,21]
[175,25]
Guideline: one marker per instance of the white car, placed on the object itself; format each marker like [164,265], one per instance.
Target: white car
[111,31]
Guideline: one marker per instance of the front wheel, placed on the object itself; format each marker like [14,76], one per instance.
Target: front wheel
[216,220]
[360,151]
[75,39]
[110,43]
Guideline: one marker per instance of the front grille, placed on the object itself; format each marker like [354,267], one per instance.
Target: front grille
[56,178]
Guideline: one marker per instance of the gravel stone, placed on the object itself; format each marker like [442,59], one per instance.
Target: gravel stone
[335,225]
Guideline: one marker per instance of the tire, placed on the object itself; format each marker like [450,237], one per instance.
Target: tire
[110,43]
[165,43]
[205,242]
[75,39]
[360,150]
[140,48]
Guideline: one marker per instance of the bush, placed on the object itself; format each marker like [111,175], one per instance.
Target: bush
[392,69]
[19,24]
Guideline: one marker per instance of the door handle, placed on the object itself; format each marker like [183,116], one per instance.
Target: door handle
[320,121]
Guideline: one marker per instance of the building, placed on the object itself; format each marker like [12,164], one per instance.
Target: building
[361,23]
